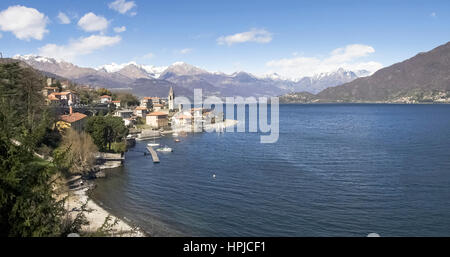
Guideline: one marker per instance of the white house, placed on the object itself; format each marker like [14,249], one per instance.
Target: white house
[124,114]
[141,111]
[116,103]
[182,119]
[105,99]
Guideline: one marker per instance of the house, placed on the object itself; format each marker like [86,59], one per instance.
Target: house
[146,102]
[50,81]
[53,100]
[116,103]
[182,119]
[124,114]
[141,111]
[65,98]
[75,120]
[158,107]
[105,99]
[157,120]
[129,121]
[48,90]
[156,100]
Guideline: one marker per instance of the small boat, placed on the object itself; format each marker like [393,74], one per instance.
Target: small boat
[177,140]
[165,149]
[153,143]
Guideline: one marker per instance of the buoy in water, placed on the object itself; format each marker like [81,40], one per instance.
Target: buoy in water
[214,176]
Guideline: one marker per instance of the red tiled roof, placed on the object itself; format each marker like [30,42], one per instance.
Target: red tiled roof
[182,117]
[61,93]
[52,97]
[115,102]
[158,105]
[157,114]
[141,108]
[74,117]
[105,96]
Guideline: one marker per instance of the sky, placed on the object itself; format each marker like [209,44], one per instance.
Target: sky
[291,38]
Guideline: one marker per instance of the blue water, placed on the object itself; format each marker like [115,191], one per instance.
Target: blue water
[337,170]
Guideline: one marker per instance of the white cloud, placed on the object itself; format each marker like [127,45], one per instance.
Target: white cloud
[185,50]
[345,57]
[148,56]
[1,35]
[254,35]
[350,52]
[91,22]
[122,6]
[25,23]
[63,18]
[120,29]
[433,14]
[81,46]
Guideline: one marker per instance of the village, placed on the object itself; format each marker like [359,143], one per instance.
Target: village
[147,118]
[151,116]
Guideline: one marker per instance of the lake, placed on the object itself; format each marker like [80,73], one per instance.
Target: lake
[336,170]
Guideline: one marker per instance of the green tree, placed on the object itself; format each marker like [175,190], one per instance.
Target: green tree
[58,85]
[105,130]
[103,91]
[27,206]
[126,99]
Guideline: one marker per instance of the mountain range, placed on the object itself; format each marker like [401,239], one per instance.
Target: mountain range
[144,80]
[422,78]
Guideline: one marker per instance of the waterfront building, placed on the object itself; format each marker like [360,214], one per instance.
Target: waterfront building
[157,120]
[181,119]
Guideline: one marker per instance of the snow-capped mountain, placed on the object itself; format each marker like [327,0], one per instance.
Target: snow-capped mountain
[181,69]
[134,70]
[146,79]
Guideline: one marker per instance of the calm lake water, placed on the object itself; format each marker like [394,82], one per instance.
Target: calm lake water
[337,170]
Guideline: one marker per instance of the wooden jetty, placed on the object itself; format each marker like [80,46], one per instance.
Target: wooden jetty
[110,157]
[154,154]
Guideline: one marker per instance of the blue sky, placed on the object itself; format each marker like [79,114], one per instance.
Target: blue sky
[293,38]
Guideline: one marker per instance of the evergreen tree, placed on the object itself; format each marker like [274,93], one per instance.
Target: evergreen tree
[105,130]
[27,207]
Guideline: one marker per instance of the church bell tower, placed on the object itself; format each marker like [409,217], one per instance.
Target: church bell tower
[171,99]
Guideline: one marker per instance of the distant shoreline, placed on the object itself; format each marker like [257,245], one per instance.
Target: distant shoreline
[374,103]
